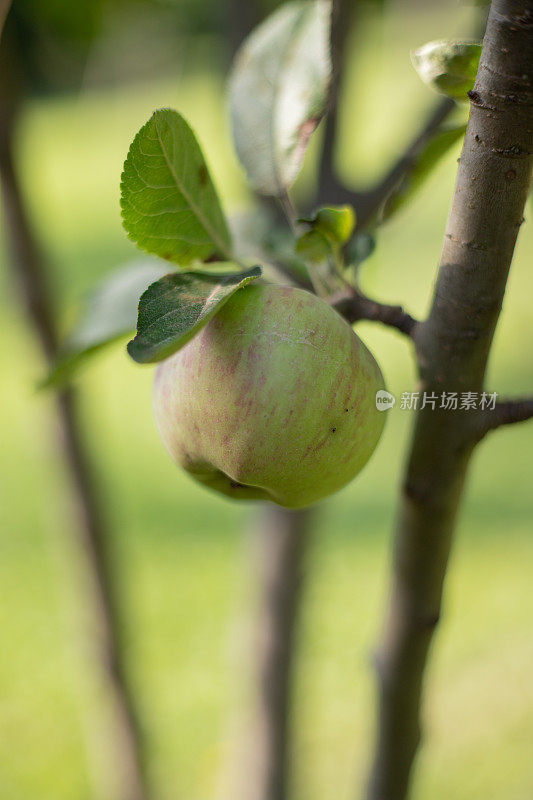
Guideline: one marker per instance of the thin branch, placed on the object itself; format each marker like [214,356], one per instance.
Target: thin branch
[453,345]
[506,412]
[369,203]
[354,306]
[5,5]
[240,18]
[343,15]
[29,272]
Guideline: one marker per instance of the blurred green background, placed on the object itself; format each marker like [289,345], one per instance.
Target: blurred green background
[185,556]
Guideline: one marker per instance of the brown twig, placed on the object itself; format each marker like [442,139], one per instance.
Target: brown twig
[453,346]
[29,272]
[506,412]
[354,306]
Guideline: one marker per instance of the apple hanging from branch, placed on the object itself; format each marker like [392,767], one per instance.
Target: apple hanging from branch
[273,399]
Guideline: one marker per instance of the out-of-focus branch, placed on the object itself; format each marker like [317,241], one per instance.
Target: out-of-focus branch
[282,538]
[368,204]
[453,346]
[343,15]
[506,412]
[29,273]
[241,17]
[353,305]
[5,5]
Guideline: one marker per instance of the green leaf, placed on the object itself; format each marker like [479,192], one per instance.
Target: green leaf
[169,203]
[360,248]
[313,246]
[278,92]
[176,307]
[109,313]
[336,223]
[422,167]
[448,67]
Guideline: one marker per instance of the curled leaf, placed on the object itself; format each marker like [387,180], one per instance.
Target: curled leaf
[448,67]
[173,309]
[336,223]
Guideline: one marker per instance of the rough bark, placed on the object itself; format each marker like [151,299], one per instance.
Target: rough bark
[281,537]
[29,273]
[453,347]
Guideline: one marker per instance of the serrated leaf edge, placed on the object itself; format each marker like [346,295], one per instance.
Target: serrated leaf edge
[221,246]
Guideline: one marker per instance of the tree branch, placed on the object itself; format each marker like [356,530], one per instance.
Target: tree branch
[28,271]
[5,5]
[282,538]
[504,413]
[343,15]
[240,19]
[453,347]
[370,202]
[354,306]
[367,203]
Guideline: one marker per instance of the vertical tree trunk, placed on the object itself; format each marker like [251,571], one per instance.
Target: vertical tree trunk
[29,273]
[281,542]
[453,347]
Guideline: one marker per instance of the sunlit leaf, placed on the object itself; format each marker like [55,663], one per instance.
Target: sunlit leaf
[278,92]
[336,223]
[109,313]
[169,204]
[448,67]
[176,307]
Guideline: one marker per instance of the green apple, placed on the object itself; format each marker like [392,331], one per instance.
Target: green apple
[274,399]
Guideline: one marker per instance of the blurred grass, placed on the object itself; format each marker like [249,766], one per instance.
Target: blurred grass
[184,561]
